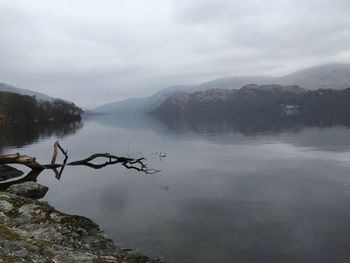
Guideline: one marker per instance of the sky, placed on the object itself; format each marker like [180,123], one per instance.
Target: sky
[94,52]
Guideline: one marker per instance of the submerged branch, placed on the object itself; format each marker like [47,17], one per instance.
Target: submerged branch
[129,163]
[57,147]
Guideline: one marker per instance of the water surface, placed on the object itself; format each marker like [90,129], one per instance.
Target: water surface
[226,193]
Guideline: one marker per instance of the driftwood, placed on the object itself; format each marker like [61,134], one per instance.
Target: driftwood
[57,147]
[129,163]
[26,160]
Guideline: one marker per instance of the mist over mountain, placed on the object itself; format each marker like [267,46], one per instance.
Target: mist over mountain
[330,76]
[250,97]
[234,82]
[144,104]
[39,96]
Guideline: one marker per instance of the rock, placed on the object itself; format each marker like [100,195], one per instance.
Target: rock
[8,172]
[3,218]
[5,206]
[48,235]
[28,189]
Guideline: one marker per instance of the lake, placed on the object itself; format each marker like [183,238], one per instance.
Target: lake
[227,191]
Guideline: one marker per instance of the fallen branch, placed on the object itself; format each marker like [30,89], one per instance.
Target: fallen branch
[129,163]
[21,159]
[57,146]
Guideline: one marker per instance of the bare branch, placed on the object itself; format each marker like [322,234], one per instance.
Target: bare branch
[57,146]
[21,159]
[129,163]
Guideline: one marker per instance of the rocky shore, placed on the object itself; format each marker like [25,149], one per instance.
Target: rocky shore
[34,231]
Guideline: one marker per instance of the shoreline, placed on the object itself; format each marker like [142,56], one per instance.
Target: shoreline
[34,231]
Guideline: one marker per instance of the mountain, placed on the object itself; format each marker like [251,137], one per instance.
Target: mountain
[234,82]
[24,105]
[249,97]
[15,108]
[330,76]
[144,104]
[273,100]
[149,103]
[9,88]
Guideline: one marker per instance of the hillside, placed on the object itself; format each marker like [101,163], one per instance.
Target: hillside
[23,108]
[250,96]
[234,82]
[9,88]
[268,98]
[143,104]
[331,76]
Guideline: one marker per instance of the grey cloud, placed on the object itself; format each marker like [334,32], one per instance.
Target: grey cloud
[92,52]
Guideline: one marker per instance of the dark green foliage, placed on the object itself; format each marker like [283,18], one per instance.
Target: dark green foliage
[18,108]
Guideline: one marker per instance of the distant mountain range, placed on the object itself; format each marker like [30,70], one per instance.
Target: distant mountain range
[249,97]
[39,96]
[272,99]
[254,109]
[144,104]
[330,76]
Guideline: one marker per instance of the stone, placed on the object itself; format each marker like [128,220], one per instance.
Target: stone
[3,218]
[48,235]
[5,206]
[29,190]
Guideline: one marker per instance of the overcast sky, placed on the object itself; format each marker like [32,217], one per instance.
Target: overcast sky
[94,52]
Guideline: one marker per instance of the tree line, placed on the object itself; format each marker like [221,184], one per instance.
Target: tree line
[267,98]
[18,108]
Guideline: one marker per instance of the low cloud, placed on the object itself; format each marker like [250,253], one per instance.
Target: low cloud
[94,52]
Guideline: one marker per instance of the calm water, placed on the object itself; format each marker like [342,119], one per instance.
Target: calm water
[227,192]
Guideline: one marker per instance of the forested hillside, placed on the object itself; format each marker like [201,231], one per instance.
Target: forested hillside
[259,98]
[18,108]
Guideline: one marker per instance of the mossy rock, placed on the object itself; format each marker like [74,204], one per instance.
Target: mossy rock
[8,234]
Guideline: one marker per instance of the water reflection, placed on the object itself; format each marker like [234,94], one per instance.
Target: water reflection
[248,123]
[9,172]
[30,177]
[21,134]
